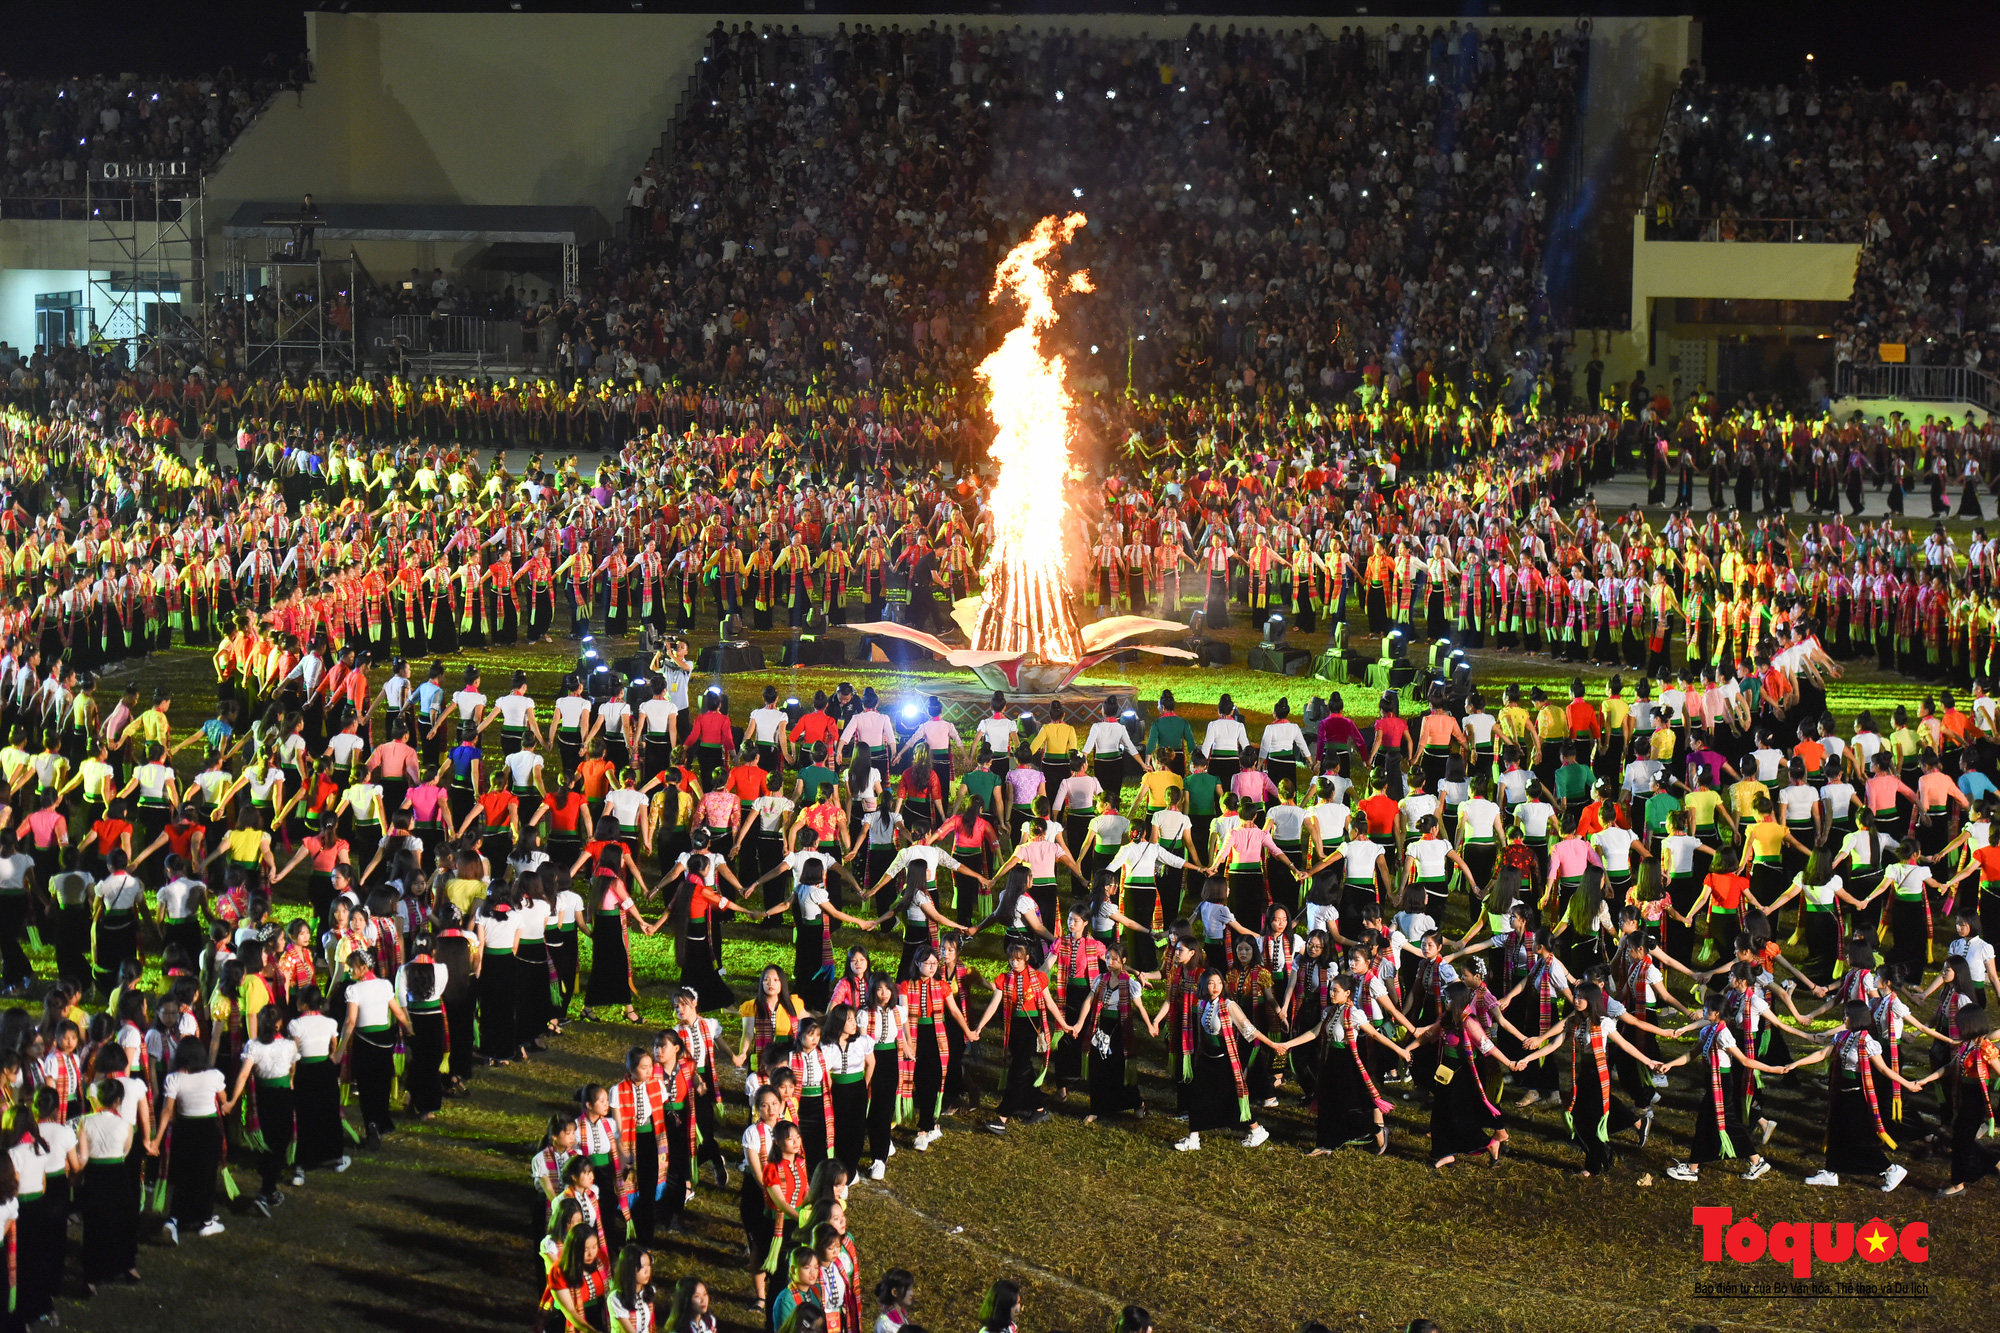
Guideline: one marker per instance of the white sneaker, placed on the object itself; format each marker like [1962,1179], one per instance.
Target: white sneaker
[1765,1129]
[1823,1178]
[298,1179]
[1682,1171]
[877,1171]
[172,1230]
[892,1149]
[1893,1177]
[1192,1143]
[1758,1169]
[344,1162]
[1645,1127]
[1659,1080]
[212,1227]
[1257,1137]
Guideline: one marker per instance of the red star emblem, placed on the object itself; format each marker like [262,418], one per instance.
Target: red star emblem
[1876,1240]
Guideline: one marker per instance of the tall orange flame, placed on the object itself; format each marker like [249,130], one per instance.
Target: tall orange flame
[1027,605]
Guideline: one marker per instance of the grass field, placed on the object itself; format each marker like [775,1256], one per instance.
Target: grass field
[432,1232]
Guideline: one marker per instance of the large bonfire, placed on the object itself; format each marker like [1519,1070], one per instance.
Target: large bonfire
[1027,606]
[1023,626]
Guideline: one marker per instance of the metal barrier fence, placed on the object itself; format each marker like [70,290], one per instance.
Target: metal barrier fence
[452,335]
[1923,384]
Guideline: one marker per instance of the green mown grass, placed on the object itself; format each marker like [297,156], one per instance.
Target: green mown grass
[1088,1218]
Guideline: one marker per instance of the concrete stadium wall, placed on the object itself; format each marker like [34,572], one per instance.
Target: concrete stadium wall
[1738,270]
[562,109]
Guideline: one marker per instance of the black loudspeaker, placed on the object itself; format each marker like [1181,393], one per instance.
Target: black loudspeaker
[1280,661]
[1401,676]
[804,651]
[1212,652]
[731,657]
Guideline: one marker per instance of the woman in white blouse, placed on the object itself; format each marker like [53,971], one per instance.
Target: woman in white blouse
[369,1033]
[110,1191]
[193,1102]
[271,1058]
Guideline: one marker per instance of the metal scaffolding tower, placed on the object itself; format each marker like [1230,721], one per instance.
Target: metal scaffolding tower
[147,257]
[297,309]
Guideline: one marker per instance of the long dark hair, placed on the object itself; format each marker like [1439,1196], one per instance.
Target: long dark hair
[680,1312]
[1018,881]
[916,879]
[1457,995]
[1002,1302]
[421,982]
[784,1001]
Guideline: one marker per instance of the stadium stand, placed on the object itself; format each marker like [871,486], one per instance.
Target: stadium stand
[1349,216]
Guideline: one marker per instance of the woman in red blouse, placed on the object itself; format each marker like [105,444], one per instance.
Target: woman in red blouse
[578,1283]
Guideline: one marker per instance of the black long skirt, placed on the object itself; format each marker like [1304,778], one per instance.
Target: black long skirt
[1068,1070]
[277,1121]
[42,1233]
[499,998]
[1461,1119]
[533,1006]
[1213,1103]
[610,966]
[316,1104]
[1971,1160]
[196,1153]
[1907,919]
[1588,1112]
[850,1124]
[374,1057]
[1344,1111]
[1821,933]
[423,1064]
[882,1091]
[927,1092]
[110,1206]
[1113,1089]
[699,970]
[813,1145]
[1852,1147]
[563,952]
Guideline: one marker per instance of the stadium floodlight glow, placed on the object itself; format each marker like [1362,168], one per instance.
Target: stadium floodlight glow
[1058,94]
[1077,190]
[911,712]
[1093,349]
[1110,94]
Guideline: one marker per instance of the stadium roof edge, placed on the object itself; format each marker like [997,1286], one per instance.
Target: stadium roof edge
[491,223]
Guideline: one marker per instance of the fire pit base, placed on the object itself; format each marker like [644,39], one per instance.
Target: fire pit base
[1029,677]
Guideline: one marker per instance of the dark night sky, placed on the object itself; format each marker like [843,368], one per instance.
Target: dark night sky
[1759,40]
